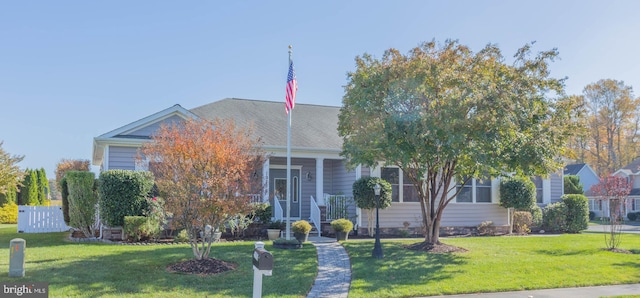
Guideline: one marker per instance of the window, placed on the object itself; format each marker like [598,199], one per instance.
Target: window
[295,189]
[538,182]
[392,175]
[395,177]
[474,191]
[483,190]
[465,192]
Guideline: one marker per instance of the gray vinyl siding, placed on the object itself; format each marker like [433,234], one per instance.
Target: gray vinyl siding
[122,158]
[148,131]
[455,215]
[557,187]
[308,188]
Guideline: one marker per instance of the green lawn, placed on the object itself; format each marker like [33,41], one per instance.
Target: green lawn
[492,264]
[106,270]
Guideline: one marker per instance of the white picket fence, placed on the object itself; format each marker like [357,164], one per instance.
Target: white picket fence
[41,219]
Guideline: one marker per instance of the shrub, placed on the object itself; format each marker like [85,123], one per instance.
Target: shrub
[577,212]
[277,224]
[364,195]
[536,216]
[123,193]
[82,201]
[522,221]
[592,215]
[486,228]
[518,193]
[633,216]
[301,226]
[342,225]
[64,192]
[262,213]
[139,228]
[554,217]
[572,185]
[9,213]
[182,236]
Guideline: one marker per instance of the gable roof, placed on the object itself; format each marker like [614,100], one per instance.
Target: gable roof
[312,126]
[633,166]
[573,169]
[126,135]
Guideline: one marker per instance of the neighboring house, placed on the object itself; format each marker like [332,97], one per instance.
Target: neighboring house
[632,173]
[320,181]
[588,176]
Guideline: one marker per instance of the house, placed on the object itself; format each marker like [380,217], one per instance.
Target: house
[588,176]
[632,173]
[321,184]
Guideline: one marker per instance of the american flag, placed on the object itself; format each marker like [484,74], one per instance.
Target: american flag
[292,87]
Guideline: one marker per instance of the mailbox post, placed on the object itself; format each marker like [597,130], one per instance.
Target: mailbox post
[262,265]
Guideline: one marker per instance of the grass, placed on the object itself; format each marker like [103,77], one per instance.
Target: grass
[492,264]
[107,270]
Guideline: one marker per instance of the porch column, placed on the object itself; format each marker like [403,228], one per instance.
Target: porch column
[265,181]
[320,181]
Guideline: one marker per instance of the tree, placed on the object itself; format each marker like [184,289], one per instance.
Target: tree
[43,187]
[572,185]
[10,173]
[365,197]
[82,201]
[615,191]
[612,121]
[444,114]
[64,166]
[29,191]
[11,197]
[204,170]
[517,193]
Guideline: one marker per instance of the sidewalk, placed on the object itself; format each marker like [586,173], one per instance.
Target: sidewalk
[585,292]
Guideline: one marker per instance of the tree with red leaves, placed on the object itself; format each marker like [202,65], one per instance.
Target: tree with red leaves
[205,171]
[615,191]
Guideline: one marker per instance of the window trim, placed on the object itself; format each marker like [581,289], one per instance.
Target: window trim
[401,184]
[474,190]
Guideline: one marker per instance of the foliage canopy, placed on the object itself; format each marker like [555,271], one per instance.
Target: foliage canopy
[443,112]
[205,171]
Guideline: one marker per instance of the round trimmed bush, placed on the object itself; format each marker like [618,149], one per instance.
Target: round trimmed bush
[301,226]
[577,212]
[342,225]
[632,216]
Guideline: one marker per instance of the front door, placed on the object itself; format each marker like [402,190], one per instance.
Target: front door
[278,190]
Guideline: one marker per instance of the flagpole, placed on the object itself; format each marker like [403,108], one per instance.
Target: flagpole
[288,229]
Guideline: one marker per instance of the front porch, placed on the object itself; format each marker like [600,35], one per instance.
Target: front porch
[320,190]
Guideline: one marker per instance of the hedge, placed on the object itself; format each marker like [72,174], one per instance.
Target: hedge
[123,193]
[82,200]
[554,217]
[577,212]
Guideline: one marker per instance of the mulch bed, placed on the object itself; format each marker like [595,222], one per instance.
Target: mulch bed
[437,248]
[202,267]
[618,250]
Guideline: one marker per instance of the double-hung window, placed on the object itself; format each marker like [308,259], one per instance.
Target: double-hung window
[537,180]
[474,191]
[402,189]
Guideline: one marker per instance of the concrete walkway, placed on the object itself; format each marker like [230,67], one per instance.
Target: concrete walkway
[334,269]
[584,292]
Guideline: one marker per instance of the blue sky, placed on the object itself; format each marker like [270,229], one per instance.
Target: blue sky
[73,70]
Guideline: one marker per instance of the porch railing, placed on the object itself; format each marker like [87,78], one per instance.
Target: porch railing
[337,206]
[315,215]
[255,198]
[277,210]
